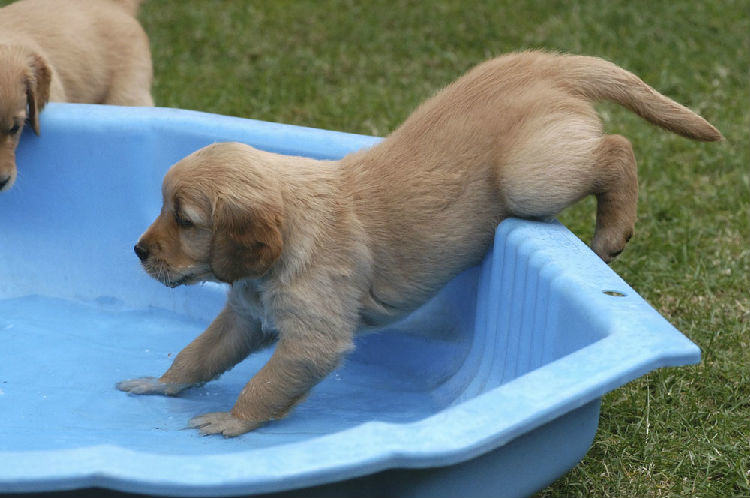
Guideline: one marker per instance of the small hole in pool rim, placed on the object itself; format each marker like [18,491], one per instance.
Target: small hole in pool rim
[614,293]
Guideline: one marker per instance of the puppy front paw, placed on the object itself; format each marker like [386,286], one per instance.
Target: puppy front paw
[223,423]
[151,385]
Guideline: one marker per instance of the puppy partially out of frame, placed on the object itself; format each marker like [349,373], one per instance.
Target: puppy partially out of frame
[85,51]
[313,250]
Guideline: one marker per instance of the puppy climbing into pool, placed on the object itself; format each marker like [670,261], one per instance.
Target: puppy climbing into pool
[85,51]
[314,250]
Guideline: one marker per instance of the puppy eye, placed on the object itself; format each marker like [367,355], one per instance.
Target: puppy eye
[182,222]
[14,129]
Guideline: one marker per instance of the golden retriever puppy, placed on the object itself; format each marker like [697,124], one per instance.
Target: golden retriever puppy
[314,250]
[86,51]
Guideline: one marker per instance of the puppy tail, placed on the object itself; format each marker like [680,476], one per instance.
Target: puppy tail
[597,79]
[131,6]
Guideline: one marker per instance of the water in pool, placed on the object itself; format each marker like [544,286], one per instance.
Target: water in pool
[62,358]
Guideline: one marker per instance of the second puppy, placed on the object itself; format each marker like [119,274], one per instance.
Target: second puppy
[316,249]
[85,51]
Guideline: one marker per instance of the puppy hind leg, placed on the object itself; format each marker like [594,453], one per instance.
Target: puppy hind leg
[539,182]
[560,162]
[616,191]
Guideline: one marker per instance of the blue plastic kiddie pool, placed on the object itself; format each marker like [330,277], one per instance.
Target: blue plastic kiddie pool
[491,389]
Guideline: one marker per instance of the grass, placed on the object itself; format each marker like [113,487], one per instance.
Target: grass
[364,66]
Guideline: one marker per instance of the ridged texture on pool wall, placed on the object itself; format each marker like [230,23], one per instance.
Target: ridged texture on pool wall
[516,324]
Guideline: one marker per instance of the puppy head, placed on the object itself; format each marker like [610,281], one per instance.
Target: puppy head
[24,90]
[221,218]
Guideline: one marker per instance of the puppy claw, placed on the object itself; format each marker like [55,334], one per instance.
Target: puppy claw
[150,385]
[223,423]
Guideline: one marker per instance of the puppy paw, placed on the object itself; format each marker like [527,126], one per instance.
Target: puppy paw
[608,244]
[223,423]
[150,385]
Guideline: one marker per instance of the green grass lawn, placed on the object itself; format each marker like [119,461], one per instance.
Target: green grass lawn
[364,66]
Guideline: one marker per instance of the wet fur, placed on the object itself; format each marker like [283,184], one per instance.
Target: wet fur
[315,250]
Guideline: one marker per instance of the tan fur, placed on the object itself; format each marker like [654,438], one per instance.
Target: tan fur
[85,51]
[315,250]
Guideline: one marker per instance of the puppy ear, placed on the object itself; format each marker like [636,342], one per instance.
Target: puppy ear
[246,242]
[37,89]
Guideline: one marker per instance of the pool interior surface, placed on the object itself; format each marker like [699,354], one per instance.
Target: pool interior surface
[66,356]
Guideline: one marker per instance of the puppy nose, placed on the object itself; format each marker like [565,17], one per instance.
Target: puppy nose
[141,251]
[4,181]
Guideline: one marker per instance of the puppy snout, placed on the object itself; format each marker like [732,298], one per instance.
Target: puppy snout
[4,181]
[141,251]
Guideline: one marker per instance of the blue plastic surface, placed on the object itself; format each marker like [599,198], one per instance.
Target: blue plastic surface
[494,385]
